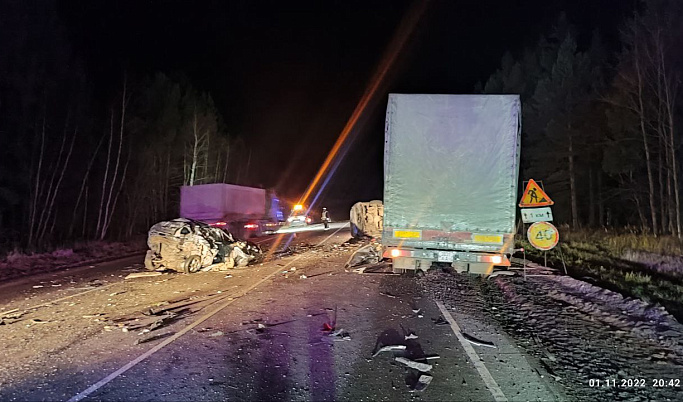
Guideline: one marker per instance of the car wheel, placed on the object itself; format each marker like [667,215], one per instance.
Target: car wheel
[192,264]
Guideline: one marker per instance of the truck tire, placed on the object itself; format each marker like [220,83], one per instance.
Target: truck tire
[192,264]
[355,232]
[148,261]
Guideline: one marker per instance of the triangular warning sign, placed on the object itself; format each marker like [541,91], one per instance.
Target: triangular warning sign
[534,196]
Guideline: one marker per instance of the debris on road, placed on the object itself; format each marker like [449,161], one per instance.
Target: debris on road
[499,273]
[142,275]
[152,338]
[478,342]
[39,321]
[422,382]
[38,286]
[389,348]
[370,254]
[440,321]
[410,336]
[340,335]
[413,364]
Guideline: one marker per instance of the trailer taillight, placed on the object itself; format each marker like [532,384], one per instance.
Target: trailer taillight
[251,226]
[396,252]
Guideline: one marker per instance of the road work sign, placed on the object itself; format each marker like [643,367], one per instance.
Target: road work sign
[530,215]
[534,196]
[543,235]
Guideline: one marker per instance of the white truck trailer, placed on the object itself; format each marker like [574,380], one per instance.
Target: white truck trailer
[451,167]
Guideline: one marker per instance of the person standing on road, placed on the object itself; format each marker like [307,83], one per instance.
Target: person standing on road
[325,218]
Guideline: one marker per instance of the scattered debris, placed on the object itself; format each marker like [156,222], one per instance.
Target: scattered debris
[303,277]
[410,336]
[413,364]
[432,357]
[387,294]
[142,274]
[228,276]
[389,348]
[370,254]
[39,321]
[440,321]
[498,273]
[93,315]
[117,293]
[340,335]
[152,338]
[217,334]
[422,382]
[37,286]
[478,342]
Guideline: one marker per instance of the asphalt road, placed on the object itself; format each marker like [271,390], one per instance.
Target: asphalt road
[297,327]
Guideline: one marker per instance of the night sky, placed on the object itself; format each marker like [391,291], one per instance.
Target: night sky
[286,75]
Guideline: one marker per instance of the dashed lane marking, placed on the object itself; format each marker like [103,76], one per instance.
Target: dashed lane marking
[491,384]
[188,328]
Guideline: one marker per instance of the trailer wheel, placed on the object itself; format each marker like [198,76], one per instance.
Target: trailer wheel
[192,264]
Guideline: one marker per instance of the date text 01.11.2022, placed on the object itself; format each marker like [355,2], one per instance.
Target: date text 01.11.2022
[634,383]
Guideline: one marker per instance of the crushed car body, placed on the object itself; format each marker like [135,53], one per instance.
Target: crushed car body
[188,246]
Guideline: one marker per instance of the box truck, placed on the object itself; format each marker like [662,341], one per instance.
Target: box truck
[243,211]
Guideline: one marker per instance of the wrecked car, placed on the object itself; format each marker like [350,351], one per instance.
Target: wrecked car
[188,246]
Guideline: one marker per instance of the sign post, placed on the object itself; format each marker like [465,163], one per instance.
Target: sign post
[535,209]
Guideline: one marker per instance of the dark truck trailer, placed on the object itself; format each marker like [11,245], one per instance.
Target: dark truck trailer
[451,165]
[243,211]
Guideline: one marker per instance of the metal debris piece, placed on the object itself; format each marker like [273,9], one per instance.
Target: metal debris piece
[142,274]
[387,294]
[340,335]
[498,273]
[478,342]
[93,315]
[39,321]
[440,321]
[413,364]
[410,336]
[389,348]
[152,338]
[370,254]
[216,334]
[37,286]
[423,382]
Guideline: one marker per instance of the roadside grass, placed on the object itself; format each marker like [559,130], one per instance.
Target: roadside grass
[599,257]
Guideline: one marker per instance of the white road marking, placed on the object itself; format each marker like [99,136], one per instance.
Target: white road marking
[491,384]
[185,330]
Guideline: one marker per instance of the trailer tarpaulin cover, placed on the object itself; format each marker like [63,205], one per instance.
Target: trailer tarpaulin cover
[218,201]
[451,162]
